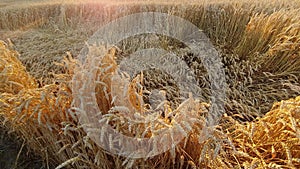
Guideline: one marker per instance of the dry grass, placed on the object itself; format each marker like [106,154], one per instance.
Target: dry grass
[260,52]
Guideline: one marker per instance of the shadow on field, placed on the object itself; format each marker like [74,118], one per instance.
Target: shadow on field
[15,155]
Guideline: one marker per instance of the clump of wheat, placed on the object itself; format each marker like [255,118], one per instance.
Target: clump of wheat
[271,141]
[120,101]
[13,74]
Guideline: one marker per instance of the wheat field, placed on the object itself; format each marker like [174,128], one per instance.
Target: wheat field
[259,46]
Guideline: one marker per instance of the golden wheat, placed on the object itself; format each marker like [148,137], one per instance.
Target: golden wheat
[259,46]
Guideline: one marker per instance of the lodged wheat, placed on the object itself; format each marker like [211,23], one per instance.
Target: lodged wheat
[13,74]
[259,46]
